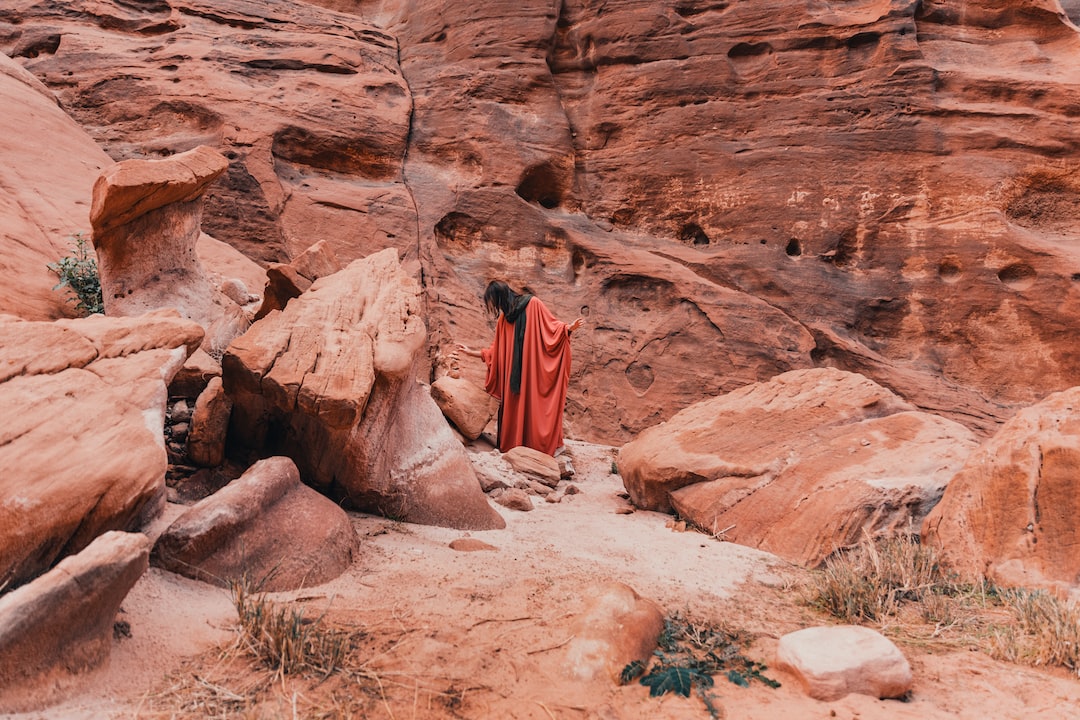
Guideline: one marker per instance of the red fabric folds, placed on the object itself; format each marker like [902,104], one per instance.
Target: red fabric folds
[533,417]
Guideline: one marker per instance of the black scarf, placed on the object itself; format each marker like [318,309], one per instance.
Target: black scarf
[517,317]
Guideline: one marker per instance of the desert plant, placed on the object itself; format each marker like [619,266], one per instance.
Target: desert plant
[280,635]
[872,580]
[1046,632]
[688,654]
[79,273]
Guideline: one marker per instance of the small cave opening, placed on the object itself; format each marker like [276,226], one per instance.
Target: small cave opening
[692,234]
[540,184]
[793,248]
[1018,276]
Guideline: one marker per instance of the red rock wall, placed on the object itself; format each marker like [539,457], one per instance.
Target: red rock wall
[725,190]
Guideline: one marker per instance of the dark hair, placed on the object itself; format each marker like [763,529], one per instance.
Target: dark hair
[498,297]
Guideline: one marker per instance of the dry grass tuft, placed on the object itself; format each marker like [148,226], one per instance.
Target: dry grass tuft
[902,586]
[1047,631]
[280,635]
[871,582]
[285,664]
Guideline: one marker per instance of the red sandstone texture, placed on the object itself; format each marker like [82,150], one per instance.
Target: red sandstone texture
[725,191]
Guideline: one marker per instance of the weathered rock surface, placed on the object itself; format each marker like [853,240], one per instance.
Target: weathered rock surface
[146,218]
[802,465]
[1010,514]
[81,446]
[48,167]
[266,528]
[831,662]
[465,404]
[284,281]
[726,192]
[61,625]
[332,381]
[617,627]
[309,105]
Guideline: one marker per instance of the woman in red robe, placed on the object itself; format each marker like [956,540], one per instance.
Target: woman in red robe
[528,369]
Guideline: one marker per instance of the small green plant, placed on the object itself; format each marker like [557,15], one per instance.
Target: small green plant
[79,273]
[688,654]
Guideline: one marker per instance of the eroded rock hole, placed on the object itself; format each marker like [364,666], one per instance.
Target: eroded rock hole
[540,184]
[1018,276]
[457,228]
[640,376]
[749,50]
[793,248]
[864,41]
[949,270]
[692,234]
[32,47]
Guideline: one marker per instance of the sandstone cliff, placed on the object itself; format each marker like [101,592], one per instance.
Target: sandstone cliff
[726,191]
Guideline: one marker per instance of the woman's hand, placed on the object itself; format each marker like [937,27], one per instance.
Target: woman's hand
[575,325]
[468,350]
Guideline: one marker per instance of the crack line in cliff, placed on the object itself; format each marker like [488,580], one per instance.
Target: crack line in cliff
[405,156]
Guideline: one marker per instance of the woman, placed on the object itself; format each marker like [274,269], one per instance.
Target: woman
[528,369]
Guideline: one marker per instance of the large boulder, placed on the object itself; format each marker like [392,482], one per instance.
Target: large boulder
[146,219]
[1010,514]
[81,445]
[809,462]
[60,626]
[332,382]
[265,528]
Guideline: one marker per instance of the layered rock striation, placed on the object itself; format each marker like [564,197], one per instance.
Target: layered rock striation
[725,191]
[81,444]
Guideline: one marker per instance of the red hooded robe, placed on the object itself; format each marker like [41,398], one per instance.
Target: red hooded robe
[532,417]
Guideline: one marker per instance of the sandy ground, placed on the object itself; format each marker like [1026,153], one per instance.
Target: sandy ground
[482,634]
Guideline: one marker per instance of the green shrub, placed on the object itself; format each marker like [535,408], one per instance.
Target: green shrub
[79,273]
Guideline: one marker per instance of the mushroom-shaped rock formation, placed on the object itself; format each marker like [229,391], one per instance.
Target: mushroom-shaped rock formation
[146,219]
[331,381]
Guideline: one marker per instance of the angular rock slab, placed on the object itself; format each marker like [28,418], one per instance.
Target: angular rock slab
[465,404]
[617,627]
[266,528]
[61,624]
[331,381]
[81,446]
[209,425]
[800,466]
[831,662]
[1010,514]
[534,465]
